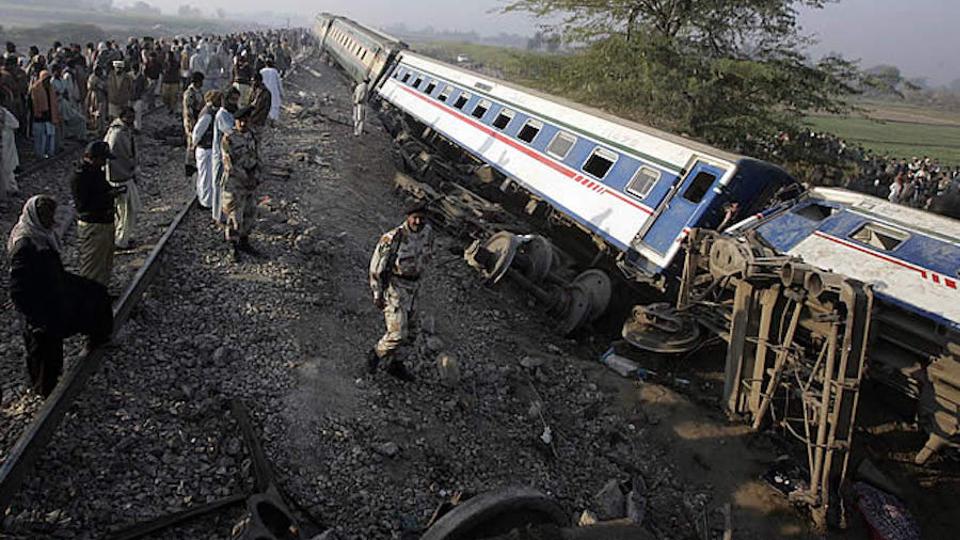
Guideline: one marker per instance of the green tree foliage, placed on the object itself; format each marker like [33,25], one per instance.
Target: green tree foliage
[730,72]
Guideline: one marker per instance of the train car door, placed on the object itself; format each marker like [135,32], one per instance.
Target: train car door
[682,206]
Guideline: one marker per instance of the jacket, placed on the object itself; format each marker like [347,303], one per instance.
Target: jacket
[122,144]
[92,195]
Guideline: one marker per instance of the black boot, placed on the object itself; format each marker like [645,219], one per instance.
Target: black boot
[398,370]
[246,247]
[234,252]
[373,361]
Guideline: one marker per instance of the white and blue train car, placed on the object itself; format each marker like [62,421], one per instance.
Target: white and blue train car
[910,257]
[638,189]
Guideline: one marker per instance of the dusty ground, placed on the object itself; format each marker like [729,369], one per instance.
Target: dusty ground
[287,333]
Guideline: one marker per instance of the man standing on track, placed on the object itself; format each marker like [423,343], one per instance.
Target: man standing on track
[122,173]
[202,138]
[259,105]
[241,174]
[94,198]
[53,304]
[396,267]
[359,106]
[193,103]
[223,125]
[119,89]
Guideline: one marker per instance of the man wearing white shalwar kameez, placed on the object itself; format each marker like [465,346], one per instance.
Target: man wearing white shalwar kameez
[222,125]
[9,159]
[202,138]
[271,79]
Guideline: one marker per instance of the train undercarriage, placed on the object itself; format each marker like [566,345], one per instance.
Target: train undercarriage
[800,341]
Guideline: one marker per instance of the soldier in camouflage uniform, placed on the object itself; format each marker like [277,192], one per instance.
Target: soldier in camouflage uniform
[395,270]
[241,176]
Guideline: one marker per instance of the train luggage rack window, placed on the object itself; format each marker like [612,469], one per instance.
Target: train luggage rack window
[643,181]
[530,130]
[482,108]
[462,100]
[431,87]
[699,187]
[503,119]
[879,236]
[561,145]
[445,94]
[600,162]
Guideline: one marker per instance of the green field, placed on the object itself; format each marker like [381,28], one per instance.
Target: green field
[899,130]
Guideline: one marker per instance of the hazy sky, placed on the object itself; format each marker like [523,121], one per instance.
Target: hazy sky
[920,36]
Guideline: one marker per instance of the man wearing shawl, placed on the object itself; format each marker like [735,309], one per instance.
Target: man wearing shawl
[53,304]
[46,115]
[122,173]
[271,79]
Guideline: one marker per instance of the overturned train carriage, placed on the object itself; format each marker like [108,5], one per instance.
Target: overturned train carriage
[812,290]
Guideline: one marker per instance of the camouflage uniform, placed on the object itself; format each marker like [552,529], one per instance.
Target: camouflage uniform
[395,269]
[241,176]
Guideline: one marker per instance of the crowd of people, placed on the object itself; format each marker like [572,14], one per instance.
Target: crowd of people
[919,182]
[226,89]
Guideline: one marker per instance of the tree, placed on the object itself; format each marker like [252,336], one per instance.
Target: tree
[731,72]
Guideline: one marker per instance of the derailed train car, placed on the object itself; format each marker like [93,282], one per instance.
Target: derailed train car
[812,290]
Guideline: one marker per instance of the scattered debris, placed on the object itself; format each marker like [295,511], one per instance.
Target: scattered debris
[886,516]
[388,449]
[448,369]
[610,501]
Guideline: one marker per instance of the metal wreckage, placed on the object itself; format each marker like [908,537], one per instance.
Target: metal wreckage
[812,290]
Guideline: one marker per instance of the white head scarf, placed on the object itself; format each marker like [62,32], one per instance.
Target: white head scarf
[30,228]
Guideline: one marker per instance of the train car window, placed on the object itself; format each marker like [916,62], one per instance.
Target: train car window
[643,181]
[431,87]
[561,145]
[416,83]
[462,100]
[503,119]
[481,108]
[815,212]
[600,162]
[406,77]
[879,236]
[445,94]
[530,130]
[363,56]
[699,187]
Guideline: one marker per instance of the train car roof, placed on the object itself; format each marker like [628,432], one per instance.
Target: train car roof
[936,225]
[615,122]
[371,32]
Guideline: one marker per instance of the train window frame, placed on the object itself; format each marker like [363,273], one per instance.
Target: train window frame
[504,113]
[419,79]
[431,86]
[632,184]
[561,135]
[406,77]
[879,234]
[445,93]
[485,105]
[598,152]
[698,189]
[462,100]
[533,124]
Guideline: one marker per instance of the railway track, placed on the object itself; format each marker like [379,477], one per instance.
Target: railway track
[41,430]
[130,267]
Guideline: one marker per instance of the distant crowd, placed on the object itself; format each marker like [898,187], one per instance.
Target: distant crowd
[920,182]
[73,91]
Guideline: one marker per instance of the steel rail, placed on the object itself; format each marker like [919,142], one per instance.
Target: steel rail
[38,434]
